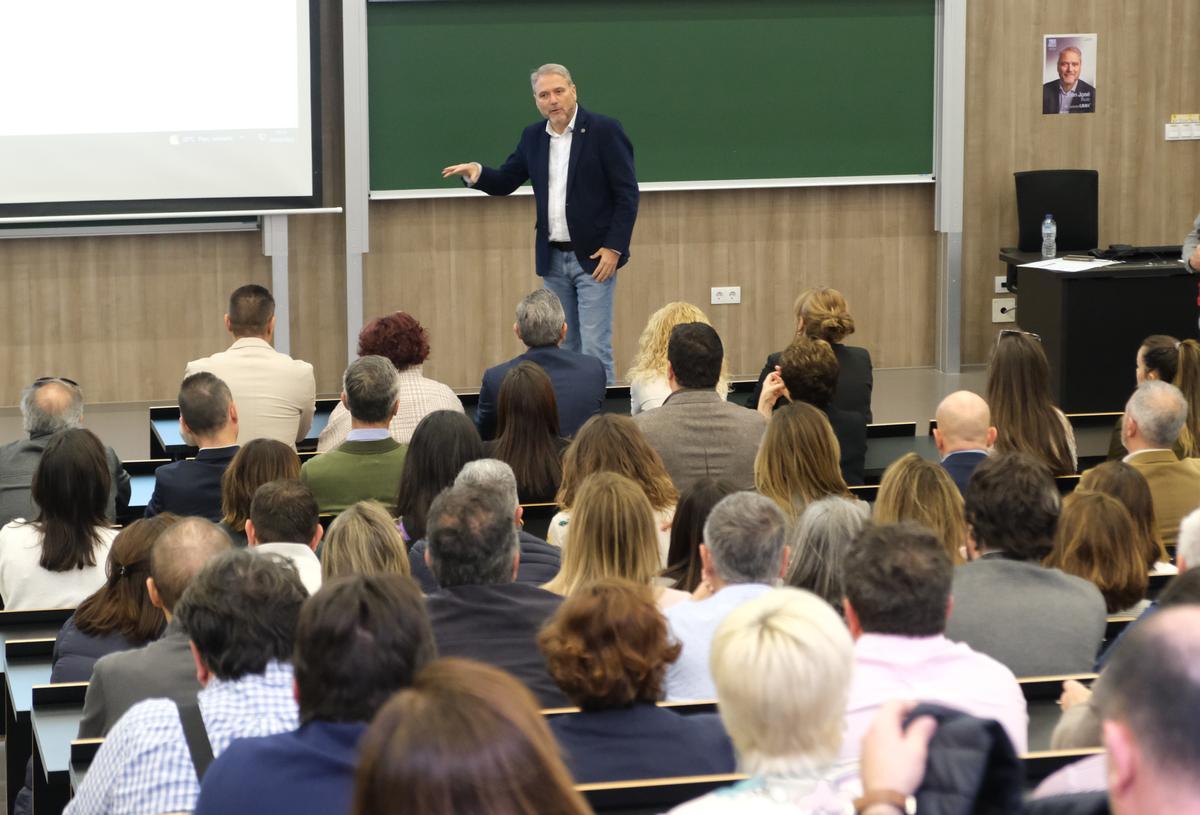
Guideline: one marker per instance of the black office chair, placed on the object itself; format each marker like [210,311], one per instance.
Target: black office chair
[1071,196]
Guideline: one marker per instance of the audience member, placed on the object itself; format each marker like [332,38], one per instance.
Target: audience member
[275,394]
[1166,359]
[466,738]
[1096,540]
[1036,620]
[480,611]
[49,406]
[527,433]
[257,462]
[808,373]
[684,569]
[240,614]
[608,648]
[208,420]
[403,340]
[359,640]
[579,380]
[782,664]
[363,540]
[914,489]
[822,314]
[442,443]
[284,522]
[743,555]
[797,462]
[1129,487]
[819,542]
[164,668]
[1018,394]
[897,580]
[648,383]
[57,559]
[367,465]
[612,534]
[697,433]
[615,444]
[964,435]
[1154,416]
[539,562]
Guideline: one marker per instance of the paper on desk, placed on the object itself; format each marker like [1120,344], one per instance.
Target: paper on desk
[1060,265]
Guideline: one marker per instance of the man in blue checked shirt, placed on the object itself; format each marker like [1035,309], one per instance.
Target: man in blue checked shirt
[240,614]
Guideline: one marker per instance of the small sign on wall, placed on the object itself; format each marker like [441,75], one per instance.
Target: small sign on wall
[1069,73]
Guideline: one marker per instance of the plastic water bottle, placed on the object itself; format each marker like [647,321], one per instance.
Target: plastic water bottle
[1049,237]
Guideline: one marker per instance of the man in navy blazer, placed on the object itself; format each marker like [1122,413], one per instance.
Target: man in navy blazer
[208,419]
[964,435]
[578,379]
[581,166]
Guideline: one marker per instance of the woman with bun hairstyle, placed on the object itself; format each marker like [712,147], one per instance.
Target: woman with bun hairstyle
[822,314]
[1169,360]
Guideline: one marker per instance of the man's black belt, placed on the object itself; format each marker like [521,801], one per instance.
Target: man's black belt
[562,246]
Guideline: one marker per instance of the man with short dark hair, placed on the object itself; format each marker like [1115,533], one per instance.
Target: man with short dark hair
[240,614]
[744,555]
[285,522]
[164,668]
[367,465]
[897,583]
[360,639]
[697,433]
[578,379]
[275,394]
[48,406]
[480,612]
[1035,620]
[208,420]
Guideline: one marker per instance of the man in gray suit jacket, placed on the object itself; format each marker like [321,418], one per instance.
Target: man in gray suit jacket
[1035,620]
[696,432]
[164,668]
[48,406]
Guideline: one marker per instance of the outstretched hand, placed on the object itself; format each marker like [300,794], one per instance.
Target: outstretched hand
[469,171]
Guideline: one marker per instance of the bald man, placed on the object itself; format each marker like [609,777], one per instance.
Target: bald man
[964,435]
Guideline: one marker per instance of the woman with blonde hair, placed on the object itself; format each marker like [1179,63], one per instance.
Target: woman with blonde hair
[647,376]
[611,443]
[612,534]
[363,539]
[1023,412]
[797,462]
[1095,540]
[822,314]
[914,489]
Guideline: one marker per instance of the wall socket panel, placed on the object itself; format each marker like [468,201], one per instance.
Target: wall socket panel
[1000,284]
[1183,131]
[726,295]
[1004,309]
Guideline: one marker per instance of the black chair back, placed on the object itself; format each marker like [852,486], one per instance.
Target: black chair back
[1071,196]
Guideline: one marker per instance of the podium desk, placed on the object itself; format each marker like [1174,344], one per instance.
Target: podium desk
[1091,323]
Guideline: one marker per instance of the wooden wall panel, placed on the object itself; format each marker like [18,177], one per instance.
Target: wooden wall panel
[1149,188]
[461,265]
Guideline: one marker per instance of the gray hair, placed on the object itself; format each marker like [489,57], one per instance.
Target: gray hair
[745,534]
[540,318]
[1078,52]
[819,544]
[42,417]
[371,385]
[1160,410]
[471,537]
[1187,547]
[545,70]
[491,474]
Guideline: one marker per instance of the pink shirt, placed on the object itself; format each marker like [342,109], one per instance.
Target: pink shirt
[931,669]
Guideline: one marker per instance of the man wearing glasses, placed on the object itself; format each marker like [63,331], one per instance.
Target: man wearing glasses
[49,405]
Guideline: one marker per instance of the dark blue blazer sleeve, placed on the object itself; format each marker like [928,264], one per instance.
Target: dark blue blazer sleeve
[485,410]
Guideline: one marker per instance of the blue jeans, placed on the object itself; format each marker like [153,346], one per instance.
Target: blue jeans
[588,306]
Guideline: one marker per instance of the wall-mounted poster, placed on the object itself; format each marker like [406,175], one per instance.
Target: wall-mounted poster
[1069,73]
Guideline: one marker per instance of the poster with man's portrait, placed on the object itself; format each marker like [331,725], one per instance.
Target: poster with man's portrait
[1069,73]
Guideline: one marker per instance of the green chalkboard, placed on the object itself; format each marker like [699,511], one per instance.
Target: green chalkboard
[706,89]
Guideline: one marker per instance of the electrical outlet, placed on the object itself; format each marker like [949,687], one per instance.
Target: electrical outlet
[725,295]
[1004,310]
[1001,284]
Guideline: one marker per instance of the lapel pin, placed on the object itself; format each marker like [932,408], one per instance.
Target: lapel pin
[583,130]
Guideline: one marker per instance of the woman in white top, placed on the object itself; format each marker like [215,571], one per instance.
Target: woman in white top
[57,560]
[612,534]
[647,377]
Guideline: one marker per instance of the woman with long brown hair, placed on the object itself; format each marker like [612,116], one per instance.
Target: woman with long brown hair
[797,462]
[1123,482]
[527,432]
[684,569]
[1095,540]
[914,489]
[1023,412]
[1166,359]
